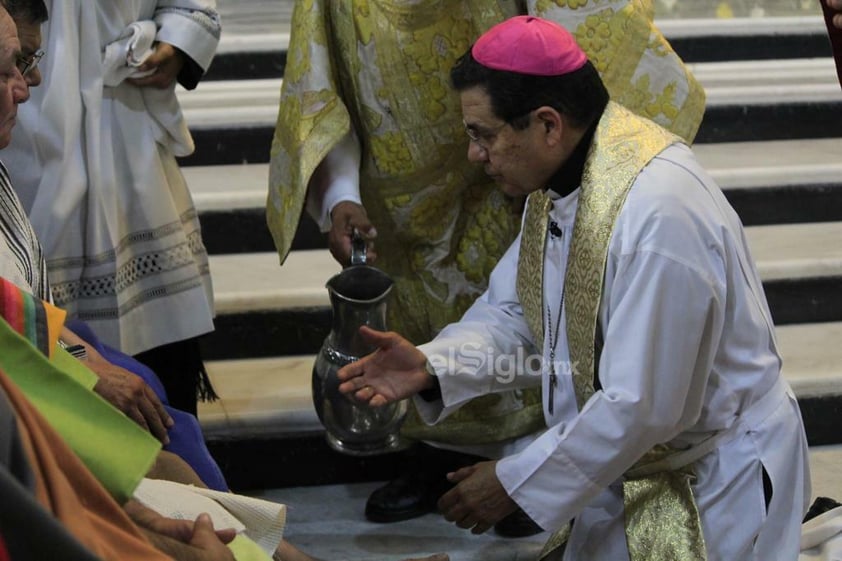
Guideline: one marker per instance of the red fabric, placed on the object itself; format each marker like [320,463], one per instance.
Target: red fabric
[12,307]
[835,35]
[529,45]
[4,553]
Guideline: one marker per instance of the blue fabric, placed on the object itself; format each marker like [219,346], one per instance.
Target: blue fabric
[186,438]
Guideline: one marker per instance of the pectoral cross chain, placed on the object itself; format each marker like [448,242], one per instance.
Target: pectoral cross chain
[554,338]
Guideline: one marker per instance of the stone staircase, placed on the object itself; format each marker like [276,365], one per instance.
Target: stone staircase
[772,137]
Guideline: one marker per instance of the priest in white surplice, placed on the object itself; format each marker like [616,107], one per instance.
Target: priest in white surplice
[94,163]
[631,298]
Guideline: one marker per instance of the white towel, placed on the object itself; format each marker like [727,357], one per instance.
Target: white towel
[122,59]
[128,52]
[821,537]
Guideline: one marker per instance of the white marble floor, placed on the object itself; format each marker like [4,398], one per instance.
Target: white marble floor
[328,522]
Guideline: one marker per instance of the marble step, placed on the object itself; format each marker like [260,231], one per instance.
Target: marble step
[271,396]
[782,252]
[252,102]
[747,38]
[266,405]
[232,120]
[256,48]
[734,165]
[250,143]
[267,310]
[771,182]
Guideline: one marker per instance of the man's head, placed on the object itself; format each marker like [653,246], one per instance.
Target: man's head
[528,96]
[13,89]
[28,16]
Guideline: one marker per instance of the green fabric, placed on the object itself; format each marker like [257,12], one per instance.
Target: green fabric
[246,550]
[116,450]
[74,368]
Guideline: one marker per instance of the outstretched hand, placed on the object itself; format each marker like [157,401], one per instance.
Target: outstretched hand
[395,371]
[345,217]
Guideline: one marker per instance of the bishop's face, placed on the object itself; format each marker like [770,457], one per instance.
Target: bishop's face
[519,161]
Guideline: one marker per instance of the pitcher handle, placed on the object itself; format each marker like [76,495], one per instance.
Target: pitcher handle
[358,249]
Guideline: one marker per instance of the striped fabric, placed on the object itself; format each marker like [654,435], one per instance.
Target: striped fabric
[38,321]
[21,257]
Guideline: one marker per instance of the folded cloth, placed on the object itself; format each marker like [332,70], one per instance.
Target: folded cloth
[122,60]
[821,537]
[128,52]
[261,521]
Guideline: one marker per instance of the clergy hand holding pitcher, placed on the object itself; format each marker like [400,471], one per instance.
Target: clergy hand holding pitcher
[398,370]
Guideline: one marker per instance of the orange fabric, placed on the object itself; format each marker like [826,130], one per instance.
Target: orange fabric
[65,487]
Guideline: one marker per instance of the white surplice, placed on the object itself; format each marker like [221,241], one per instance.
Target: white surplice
[689,352]
[95,168]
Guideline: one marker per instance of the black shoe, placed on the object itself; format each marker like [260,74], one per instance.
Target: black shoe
[410,495]
[517,525]
[416,492]
[820,506]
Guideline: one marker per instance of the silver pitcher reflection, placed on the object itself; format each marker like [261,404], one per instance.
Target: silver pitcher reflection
[358,296]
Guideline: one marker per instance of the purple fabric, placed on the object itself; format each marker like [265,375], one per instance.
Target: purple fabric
[186,438]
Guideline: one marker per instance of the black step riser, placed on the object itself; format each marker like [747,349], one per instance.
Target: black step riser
[261,463]
[301,331]
[245,230]
[266,65]
[739,123]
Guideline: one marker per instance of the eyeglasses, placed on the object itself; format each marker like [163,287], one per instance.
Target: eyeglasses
[27,64]
[483,138]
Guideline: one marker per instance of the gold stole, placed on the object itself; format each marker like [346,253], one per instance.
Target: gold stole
[662,521]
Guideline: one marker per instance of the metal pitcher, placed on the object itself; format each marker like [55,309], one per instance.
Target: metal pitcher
[358,296]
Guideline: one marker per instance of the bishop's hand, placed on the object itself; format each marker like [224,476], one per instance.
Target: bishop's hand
[395,371]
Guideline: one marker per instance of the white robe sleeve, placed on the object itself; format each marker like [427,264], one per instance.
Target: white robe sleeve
[193,26]
[654,368]
[336,179]
[467,356]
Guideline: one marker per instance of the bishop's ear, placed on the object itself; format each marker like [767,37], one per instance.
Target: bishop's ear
[551,121]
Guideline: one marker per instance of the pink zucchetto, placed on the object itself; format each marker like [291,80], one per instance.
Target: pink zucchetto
[529,45]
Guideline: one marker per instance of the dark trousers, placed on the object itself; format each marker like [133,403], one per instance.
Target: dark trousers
[181,370]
